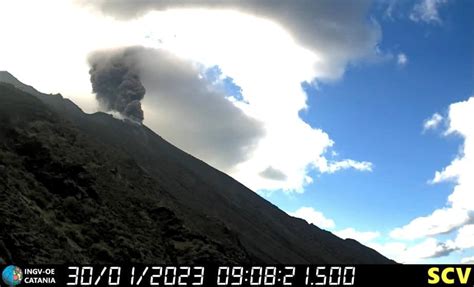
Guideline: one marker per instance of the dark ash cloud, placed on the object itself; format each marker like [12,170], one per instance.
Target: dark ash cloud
[116,82]
[181,105]
[273,174]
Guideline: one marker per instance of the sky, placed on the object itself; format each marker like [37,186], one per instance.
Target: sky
[355,117]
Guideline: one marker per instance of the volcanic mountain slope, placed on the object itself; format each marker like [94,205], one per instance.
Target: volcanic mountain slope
[91,188]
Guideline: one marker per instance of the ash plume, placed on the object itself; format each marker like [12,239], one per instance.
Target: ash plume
[187,109]
[116,82]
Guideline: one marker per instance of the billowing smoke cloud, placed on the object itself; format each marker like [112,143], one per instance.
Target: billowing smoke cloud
[116,83]
[181,105]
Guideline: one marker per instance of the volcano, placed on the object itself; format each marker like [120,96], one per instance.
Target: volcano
[89,188]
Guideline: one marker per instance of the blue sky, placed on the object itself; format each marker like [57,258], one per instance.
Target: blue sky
[376,112]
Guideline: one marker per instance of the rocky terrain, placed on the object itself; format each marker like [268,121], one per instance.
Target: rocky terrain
[88,188]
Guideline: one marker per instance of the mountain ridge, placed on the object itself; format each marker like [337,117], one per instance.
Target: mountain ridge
[209,202]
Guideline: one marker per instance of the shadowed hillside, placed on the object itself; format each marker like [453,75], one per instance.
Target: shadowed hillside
[91,188]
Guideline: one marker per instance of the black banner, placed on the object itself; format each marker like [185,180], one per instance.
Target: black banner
[245,275]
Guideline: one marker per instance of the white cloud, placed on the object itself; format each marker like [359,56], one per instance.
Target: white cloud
[433,122]
[267,57]
[465,237]
[414,253]
[392,250]
[402,59]
[467,260]
[335,31]
[334,166]
[312,216]
[440,221]
[427,11]
[429,248]
[364,237]
[390,7]
[460,204]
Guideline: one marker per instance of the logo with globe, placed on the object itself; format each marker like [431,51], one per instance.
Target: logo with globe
[12,275]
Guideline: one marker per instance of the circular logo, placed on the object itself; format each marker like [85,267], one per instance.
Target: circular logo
[12,275]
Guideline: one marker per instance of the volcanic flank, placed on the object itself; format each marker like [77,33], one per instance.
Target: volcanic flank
[89,188]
